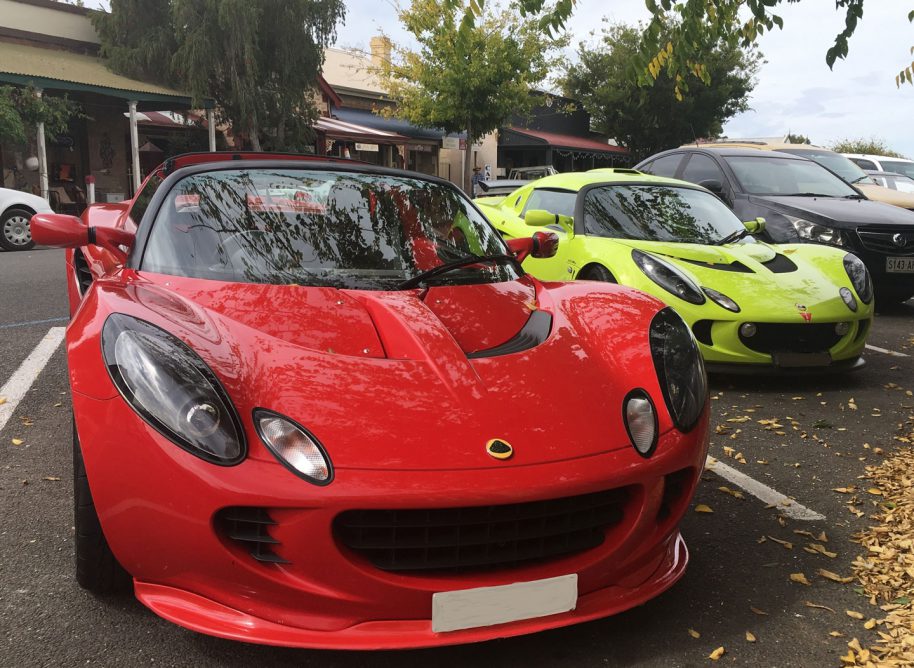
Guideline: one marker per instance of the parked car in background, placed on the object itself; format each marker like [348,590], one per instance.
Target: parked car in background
[882,163]
[836,162]
[892,180]
[802,201]
[752,306]
[497,187]
[531,173]
[16,208]
[315,405]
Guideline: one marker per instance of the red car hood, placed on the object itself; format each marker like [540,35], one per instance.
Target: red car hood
[383,379]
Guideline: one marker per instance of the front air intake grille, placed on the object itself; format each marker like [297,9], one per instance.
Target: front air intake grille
[249,527]
[792,338]
[891,241]
[481,537]
[780,264]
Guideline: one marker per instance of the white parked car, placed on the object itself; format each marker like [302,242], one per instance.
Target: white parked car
[16,209]
[883,163]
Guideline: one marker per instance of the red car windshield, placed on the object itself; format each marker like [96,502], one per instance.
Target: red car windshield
[326,228]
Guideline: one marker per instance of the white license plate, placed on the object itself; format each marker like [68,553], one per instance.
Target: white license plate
[899,265]
[487,606]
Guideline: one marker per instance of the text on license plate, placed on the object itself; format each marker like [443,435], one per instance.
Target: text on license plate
[487,606]
[899,265]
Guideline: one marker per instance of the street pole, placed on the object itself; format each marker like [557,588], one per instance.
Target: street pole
[211,127]
[42,157]
[134,147]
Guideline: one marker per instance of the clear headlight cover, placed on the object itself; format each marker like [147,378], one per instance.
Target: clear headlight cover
[295,448]
[860,277]
[172,389]
[640,420]
[820,234]
[722,300]
[668,277]
[680,369]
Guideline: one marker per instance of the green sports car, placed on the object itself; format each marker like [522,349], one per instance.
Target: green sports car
[751,305]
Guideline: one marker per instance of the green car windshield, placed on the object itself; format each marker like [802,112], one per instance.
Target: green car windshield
[658,213]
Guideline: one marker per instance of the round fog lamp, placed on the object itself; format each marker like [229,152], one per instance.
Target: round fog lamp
[848,298]
[842,328]
[748,329]
[640,421]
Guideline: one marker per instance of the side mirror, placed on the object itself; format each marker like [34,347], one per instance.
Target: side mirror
[756,226]
[541,218]
[62,231]
[713,185]
[540,245]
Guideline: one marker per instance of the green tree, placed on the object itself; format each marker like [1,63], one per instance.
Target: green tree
[873,146]
[797,139]
[21,109]
[735,22]
[259,60]
[466,78]
[647,119]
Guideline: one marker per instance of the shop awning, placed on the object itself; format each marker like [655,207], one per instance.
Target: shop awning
[56,70]
[416,134]
[522,137]
[333,128]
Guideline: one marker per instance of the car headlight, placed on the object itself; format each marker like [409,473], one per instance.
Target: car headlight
[680,368]
[668,277]
[816,233]
[722,300]
[640,421]
[172,389]
[860,277]
[848,298]
[293,446]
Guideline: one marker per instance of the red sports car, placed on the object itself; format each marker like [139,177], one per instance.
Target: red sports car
[320,404]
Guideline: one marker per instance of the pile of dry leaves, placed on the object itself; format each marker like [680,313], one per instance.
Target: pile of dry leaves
[886,569]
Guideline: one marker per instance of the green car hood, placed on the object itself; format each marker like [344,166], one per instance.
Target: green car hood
[764,280]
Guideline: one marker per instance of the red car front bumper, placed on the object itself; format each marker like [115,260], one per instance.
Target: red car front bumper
[160,508]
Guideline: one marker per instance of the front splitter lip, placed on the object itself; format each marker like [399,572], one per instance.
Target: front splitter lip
[838,366]
[204,615]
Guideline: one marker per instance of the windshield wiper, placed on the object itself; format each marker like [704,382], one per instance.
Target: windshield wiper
[802,195]
[733,237]
[860,178]
[854,196]
[418,279]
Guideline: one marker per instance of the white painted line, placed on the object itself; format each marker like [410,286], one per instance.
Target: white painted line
[887,352]
[784,504]
[20,382]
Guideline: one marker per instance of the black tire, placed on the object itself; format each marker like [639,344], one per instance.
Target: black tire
[596,272]
[97,569]
[14,229]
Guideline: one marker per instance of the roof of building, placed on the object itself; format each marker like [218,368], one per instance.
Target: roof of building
[336,129]
[398,125]
[53,69]
[540,137]
[350,71]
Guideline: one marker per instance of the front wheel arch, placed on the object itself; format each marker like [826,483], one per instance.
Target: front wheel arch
[596,272]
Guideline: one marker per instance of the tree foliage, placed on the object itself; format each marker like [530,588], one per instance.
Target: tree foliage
[797,139]
[647,119]
[872,146]
[258,60]
[21,109]
[466,79]
[678,53]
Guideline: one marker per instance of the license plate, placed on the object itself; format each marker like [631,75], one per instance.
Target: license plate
[801,359]
[899,265]
[488,606]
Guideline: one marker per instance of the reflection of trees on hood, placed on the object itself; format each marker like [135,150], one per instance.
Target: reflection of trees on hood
[646,213]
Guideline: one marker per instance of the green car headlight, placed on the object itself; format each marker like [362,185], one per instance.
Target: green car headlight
[816,233]
[722,300]
[860,277]
[679,367]
[668,277]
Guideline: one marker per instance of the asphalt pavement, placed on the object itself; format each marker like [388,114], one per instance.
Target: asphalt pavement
[800,437]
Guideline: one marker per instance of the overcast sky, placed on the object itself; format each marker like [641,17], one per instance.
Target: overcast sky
[796,91]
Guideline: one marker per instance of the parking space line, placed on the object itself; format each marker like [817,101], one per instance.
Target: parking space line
[886,352]
[784,504]
[27,323]
[20,382]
